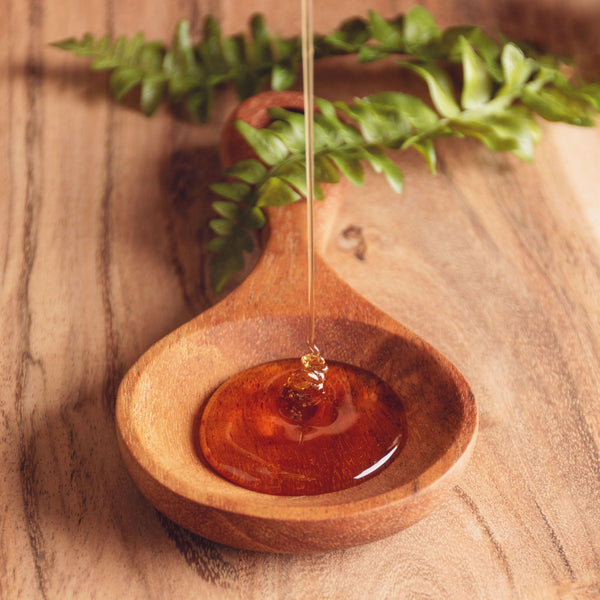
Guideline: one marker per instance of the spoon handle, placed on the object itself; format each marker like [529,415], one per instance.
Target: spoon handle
[279,280]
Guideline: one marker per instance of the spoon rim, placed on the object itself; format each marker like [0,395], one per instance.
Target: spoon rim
[234,499]
[255,520]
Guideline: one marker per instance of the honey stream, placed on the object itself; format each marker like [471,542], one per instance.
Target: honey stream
[295,427]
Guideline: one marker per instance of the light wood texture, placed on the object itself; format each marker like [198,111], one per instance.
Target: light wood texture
[492,261]
[264,319]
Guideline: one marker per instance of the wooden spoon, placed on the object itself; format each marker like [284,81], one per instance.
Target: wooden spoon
[160,399]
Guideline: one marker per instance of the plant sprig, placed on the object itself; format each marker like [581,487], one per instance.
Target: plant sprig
[496,104]
[189,73]
[504,85]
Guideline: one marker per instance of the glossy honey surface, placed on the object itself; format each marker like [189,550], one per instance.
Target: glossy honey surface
[257,433]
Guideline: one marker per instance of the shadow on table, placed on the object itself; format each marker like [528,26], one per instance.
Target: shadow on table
[77,496]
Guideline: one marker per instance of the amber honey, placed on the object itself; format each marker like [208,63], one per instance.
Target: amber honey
[256,435]
[303,426]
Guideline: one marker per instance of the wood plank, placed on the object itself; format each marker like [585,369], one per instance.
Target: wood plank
[495,262]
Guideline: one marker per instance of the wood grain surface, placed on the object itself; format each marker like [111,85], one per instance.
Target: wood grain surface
[102,233]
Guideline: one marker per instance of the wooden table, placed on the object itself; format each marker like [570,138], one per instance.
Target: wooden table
[102,234]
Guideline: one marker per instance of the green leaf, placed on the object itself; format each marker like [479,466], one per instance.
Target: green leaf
[554,105]
[283,75]
[151,57]
[211,47]
[383,164]
[289,128]
[288,49]
[269,148]
[349,166]
[276,192]
[512,130]
[325,171]
[112,57]
[73,45]
[344,133]
[183,58]
[378,123]
[244,76]
[221,226]
[246,85]
[229,258]
[388,34]
[516,68]
[350,36]
[440,87]
[327,134]
[254,218]
[152,93]
[223,266]
[261,49]
[217,244]
[591,93]
[232,190]
[422,37]
[123,79]
[184,74]
[414,110]
[477,83]
[368,54]
[130,49]
[486,47]
[199,103]
[426,149]
[295,175]
[319,194]
[249,170]
[134,62]
[229,210]
[503,87]
[234,50]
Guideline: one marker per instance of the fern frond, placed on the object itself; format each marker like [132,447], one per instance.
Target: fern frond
[134,62]
[189,73]
[497,105]
[505,85]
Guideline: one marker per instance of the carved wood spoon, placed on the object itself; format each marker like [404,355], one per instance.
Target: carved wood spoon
[161,397]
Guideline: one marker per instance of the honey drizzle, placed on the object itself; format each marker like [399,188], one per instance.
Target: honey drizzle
[308,381]
[309,154]
[280,429]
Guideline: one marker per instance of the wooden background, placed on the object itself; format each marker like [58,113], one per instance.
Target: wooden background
[102,228]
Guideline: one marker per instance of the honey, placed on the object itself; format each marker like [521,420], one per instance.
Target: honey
[257,434]
[302,426]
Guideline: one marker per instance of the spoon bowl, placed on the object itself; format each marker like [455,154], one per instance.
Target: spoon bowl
[160,399]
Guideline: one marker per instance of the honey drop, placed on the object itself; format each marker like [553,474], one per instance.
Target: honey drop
[258,433]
